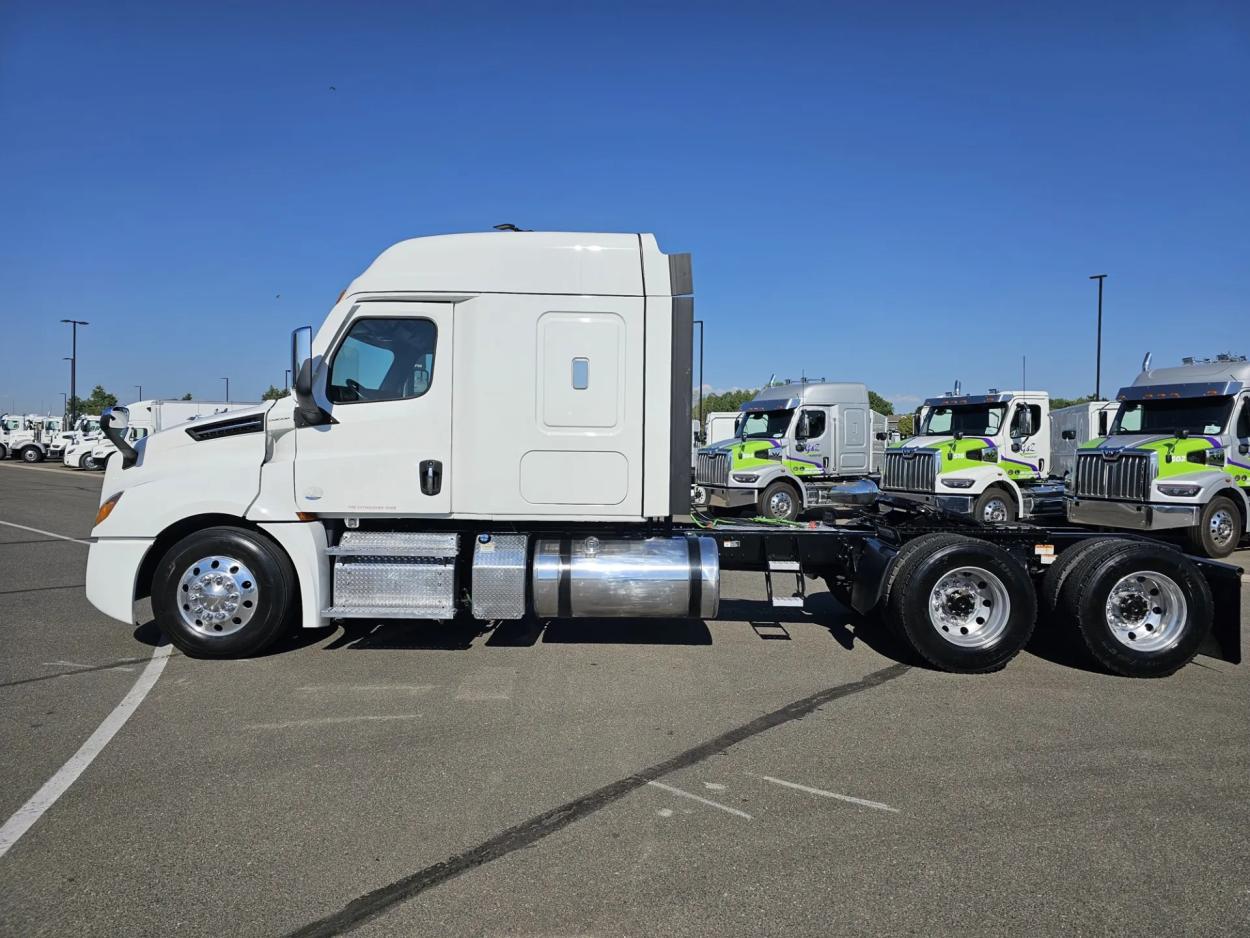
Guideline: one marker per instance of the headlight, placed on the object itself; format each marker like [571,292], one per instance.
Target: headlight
[745,477]
[1180,491]
[959,483]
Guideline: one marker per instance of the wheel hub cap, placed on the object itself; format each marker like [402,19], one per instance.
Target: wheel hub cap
[217,595]
[1146,611]
[780,505]
[969,607]
[995,510]
[1221,527]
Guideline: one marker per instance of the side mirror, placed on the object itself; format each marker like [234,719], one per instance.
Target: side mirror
[114,423]
[1068,434]
[804,429]
[307,411]
[1244,449]
[1015,447]
[883,436]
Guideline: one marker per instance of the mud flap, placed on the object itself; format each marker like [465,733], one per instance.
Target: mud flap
[1224,640]
[872,569]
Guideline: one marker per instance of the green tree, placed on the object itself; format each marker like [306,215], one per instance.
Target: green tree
[186,397]
[880,404]
[907,425]
[727,400]
[274,393]
[94,404]
[1058,402]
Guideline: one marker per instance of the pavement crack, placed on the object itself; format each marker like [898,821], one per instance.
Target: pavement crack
[375,903]
[99,667]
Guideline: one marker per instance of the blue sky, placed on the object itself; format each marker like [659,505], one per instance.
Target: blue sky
[902,194]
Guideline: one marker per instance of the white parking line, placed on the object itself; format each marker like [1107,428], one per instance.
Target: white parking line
[82,474]
[707,801]
[61,537]
[58,784]
[828,794]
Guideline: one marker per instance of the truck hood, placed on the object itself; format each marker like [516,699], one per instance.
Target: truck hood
[765,451]
[955,453]
[1174,452]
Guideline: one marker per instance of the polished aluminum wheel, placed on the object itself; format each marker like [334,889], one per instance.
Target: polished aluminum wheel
[1223,527]
[781,504]
[994,511]
[217,595]
[1146,611]
[969,607]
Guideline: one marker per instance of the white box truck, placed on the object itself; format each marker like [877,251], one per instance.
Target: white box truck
[496,425]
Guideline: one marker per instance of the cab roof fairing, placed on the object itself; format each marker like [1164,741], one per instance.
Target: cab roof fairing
[1195,389]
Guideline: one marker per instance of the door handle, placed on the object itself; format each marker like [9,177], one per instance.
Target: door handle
[431,476]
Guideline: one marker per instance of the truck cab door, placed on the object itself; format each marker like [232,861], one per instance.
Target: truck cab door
[385,382]
[1238,461]
[812,436]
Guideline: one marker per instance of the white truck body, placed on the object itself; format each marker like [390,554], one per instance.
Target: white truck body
[1074,425]
[34,438]
[720,426]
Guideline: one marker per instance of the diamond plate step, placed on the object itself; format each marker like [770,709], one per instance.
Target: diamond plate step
[395,544]
[388,612]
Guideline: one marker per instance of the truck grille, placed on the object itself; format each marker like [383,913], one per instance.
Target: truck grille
[712,469]
[1126,477]
[910,473]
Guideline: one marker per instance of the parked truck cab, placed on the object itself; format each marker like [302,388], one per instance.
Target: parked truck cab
[983,455]
[795,447]
[1177,456]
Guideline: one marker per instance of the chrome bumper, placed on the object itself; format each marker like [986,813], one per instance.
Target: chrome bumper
[1142,517]
[720,497]
[957,504]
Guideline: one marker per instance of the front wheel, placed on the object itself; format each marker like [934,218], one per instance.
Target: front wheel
[89,462]
[1219,528]
[32,454]
[995,507]
[223,593]
[780,502]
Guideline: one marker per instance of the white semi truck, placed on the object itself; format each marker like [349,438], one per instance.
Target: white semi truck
[1176,457]
[93,451]
[720,425]
[795,448]
[34,437]
[496,425]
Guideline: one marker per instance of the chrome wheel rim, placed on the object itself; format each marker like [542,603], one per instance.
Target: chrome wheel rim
[1221,527]
[780,505]
[995,511]
[1146,611]
[969,607]
[217,596]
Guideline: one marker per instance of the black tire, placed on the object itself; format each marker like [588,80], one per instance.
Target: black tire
[271,583]
[1220,512]
[31,454]
[993,499]
[1150,640]
[780,501]
[1057,574]
[4,452]
[88,462]
[960,565]
[908,555]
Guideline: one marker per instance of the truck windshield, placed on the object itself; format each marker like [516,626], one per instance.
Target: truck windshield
[1171,416]
[972,419]
[757,426]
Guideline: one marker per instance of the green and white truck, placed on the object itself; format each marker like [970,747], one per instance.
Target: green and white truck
[984,455]
[1177,456]
[796,446]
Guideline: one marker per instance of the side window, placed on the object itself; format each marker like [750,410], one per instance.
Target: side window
[815,423]
[1035,418]
[383,360]
[1243,421]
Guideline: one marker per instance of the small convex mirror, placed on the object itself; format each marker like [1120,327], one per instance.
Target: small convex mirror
[119,418]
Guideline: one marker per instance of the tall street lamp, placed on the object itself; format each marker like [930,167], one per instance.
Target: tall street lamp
[73,367]
[1098,354]
[287,378]
[227,380]
[699,323]
[139,387]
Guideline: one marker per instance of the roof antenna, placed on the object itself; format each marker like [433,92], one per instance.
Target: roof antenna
[508,226]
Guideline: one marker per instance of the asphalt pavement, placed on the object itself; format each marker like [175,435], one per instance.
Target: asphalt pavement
[754,775]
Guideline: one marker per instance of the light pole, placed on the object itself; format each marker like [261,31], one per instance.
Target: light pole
[287,378]
[227,380]
[140,389]
[1098,355]
[73,367]
[64,405]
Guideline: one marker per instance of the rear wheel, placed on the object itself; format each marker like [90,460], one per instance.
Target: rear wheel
[223,593]
[32,454]
[995,506]
[4,452]
[1065,564]
[963,605]
[781,502]
[1219,528]
[1142,609]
